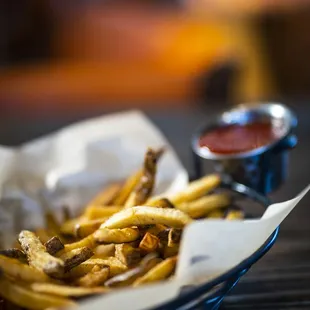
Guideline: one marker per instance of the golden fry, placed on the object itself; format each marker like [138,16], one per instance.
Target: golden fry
[66,291]
[38,256]
[89,242]
[127,188]
[169,251]
[95,212]
[204,205]
[15,253]
[85,229]
[136,216]
[76,257]
[68,227]
[145,186]
[21,272]
[159,203]
[127,254]
[107,196]
[116,267]
[149,243]
[106,235]
[161,271]
[234,215]
[156,229]
[54,245]
[96,277]
[128,277]
[26,298]
[196,189]
[104,250]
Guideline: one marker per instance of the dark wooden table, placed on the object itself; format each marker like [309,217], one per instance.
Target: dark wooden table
[281,279]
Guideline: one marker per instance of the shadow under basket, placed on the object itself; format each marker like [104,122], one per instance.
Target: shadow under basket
[209,296]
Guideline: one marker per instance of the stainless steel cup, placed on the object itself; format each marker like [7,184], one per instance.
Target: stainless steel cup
[263,169]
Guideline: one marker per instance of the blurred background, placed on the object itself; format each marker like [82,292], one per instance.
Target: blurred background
[61,61]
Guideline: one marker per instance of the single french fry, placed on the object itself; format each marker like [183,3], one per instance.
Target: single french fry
[95,212]
[97,276]
[159,203]
[149,243]
[106,235]
[76,257]
[89,242]
[136,216]
[116,267]
[106,196]
[196,189]
[161,271]
[104,250]
[216,214]
[68,227]
[127,254]
[204,205]
[54,245]
[15,253]
[127,188]
[234,215]
[174,237]
[26,298]
[145,186]
[65,290]
[85,229]
[38,256]
[21,272]
[128,277]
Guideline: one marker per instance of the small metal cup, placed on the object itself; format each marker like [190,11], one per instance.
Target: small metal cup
[263,169]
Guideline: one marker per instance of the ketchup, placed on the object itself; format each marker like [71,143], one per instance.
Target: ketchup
[238,138]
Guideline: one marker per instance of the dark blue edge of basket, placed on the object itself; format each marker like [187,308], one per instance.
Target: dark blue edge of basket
[237,271]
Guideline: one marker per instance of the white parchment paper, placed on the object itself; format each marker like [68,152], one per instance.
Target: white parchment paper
[70,166]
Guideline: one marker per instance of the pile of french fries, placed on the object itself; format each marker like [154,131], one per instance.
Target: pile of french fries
[124,237]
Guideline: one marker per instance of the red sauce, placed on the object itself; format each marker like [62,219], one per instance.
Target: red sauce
[237,138]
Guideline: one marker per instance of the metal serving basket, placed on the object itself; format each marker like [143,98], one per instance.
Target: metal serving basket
[209,296]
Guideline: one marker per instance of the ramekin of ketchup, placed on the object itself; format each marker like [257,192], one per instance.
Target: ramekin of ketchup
[249,144]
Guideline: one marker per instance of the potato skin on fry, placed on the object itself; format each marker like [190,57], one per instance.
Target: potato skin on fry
[106,235]
[76,257]
[21,272]
[15,253]
[38,256]
[136,216]
[54,245]
[26,298]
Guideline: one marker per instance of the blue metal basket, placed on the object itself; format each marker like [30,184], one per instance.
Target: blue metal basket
[209,296]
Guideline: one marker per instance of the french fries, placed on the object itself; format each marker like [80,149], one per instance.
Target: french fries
[15,253]
[123,237]
[106,235]
[21,272]
[136,216]
[196,189]
[66,291]
[38,256]
[54,245]
[127,254]
[204,205]
[146,183]
[160,272]
[26,298]
[76,257]
[97,276]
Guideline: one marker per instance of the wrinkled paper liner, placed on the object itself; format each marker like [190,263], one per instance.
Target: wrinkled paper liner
[70,166]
